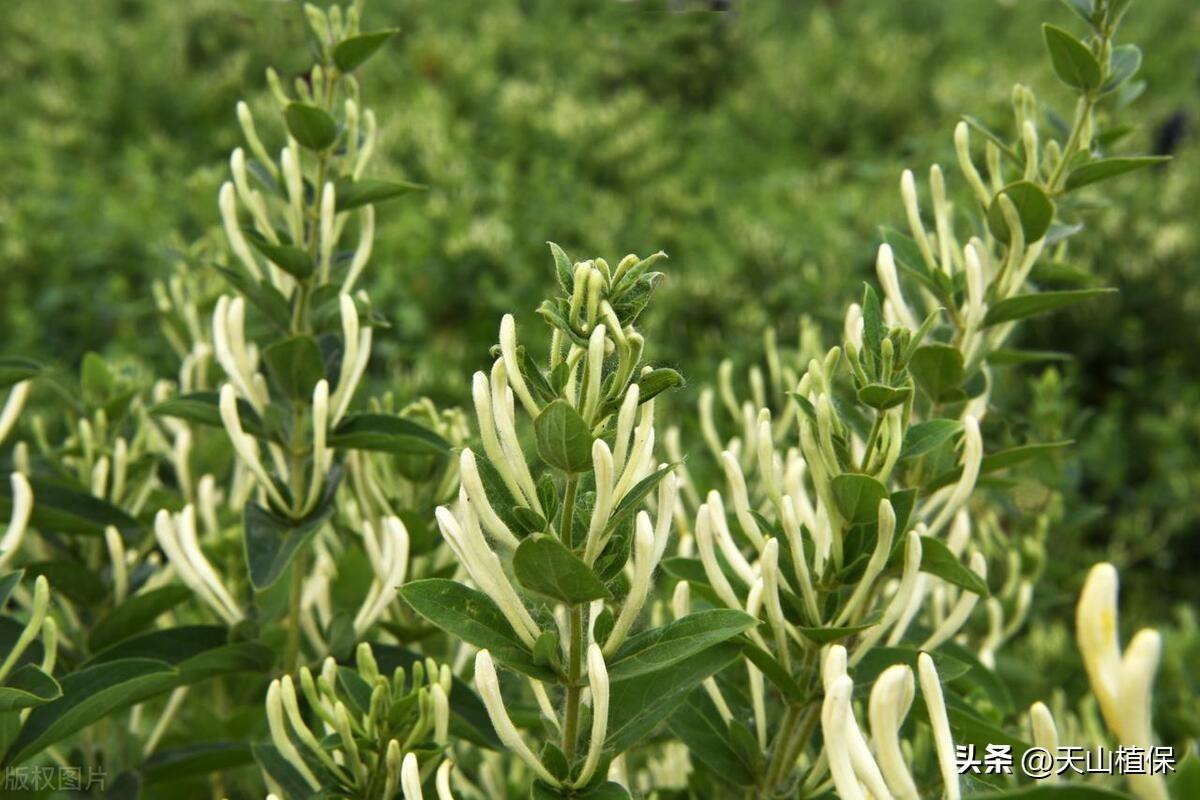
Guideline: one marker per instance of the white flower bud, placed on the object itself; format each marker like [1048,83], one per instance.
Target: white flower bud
[18,520]
[279,736]
[245,446]
[712,568]
[488,685]
[12,408]
[602,469]
[508,351]
[473,484]
[931,688]
[885,269]
[912,210]
[1096,633]
[227,203]
[891,698]
[598,683]
[643,566]
[410,778]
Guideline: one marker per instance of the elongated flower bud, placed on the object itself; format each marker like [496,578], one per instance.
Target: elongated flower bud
[712,568]
[473,484]
[1096,633]
[489,690]
[835,715]
[18,520]
[280,738]
[931,688]
[602,469]
[891,698]
[598,683]
[508,351]
[643,566]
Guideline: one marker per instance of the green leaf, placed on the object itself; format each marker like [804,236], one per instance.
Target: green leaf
[472,616]
[979,675]
[925,437]
[937,559]
[857,497]
[27,687]
[1072,59]
[95,378]
[997,461]
[265,297]
[699,725]
[1034,209]
[74,579]
[195,760]
[1124,63]
[283,773]
[350,53]
[1186,780]
[564,270]
[877,659]
[938,370]
[387,433]
[350,194]
[1026,305]
[62,509]
[872,323]
[197,652]
[881,397]
[563,438]
[1011,357]
[204,408]
[544,565]
[289,258]
[677,640]
[8,582]
[772,669]
[1016,455]
[1105,168]
[634,497]
[15,370]
[135,615]
[831,634]
[295,366]
[637,707]
[312,127]
[272,541]
[88,695]
[657,381]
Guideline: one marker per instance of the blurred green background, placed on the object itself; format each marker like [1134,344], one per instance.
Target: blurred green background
[760,146]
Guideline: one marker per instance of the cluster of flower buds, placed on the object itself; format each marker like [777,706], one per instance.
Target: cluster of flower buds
[38,624]
[592,410]
[177,536]
[880,767]
[1122,680]
[390,729]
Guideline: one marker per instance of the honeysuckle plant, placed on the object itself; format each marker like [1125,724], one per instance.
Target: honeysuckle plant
[558,542]
[866,545]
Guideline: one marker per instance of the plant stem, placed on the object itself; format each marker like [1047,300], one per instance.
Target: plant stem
[292,653]
[574,689]
[782,740]
[575,645]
